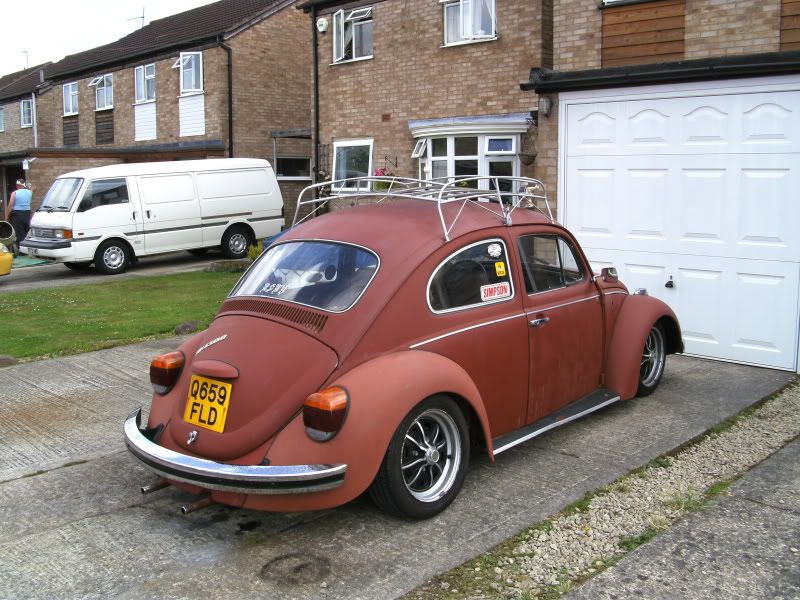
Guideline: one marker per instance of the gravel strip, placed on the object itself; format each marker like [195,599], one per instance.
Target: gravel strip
[546,560]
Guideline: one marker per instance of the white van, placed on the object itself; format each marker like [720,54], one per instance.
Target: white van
[112,215]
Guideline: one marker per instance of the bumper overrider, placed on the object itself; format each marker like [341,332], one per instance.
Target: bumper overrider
[245,479]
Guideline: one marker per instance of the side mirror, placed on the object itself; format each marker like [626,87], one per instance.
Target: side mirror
[609,274]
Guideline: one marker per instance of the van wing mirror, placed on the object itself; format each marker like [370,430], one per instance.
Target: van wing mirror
[609,275]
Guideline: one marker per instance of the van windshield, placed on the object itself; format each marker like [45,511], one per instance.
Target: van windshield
[330,276]
[62,194]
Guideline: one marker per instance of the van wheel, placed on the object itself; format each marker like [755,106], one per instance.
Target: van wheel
[236,241]
[112,257]
[426,461]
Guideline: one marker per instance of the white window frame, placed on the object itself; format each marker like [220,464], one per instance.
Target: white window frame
[70,90]
[182,63]
[140,79]
[358,17]
[466,35]
[420,148]
[23,124]
[348,143]
[2,119]
[483,157]
[293,177]
[511,152]
[103,84]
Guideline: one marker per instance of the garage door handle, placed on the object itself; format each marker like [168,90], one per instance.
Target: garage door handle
[539,322]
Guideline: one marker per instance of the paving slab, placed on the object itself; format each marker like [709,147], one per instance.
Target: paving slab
[746,545]
[73,523]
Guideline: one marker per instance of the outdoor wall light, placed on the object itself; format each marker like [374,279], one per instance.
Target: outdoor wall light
[322,24]
[545,104]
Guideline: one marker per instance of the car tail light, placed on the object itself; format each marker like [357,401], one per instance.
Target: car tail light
[164,371]
[324,413]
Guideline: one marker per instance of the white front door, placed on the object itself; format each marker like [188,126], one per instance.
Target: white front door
[693,192]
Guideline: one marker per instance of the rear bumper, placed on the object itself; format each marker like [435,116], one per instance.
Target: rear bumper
[245,479]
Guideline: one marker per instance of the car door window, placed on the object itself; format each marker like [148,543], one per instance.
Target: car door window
[475,275]
[548,262]
[104,192]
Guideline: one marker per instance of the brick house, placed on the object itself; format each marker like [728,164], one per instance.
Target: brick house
[230,78]
[424,88]
[18,125]
[672,143]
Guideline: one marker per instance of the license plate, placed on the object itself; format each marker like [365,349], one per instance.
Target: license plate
[207,404]
[34,252]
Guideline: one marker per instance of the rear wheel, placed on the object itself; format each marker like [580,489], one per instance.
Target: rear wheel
[236,241]
[112,257]
[426,461]
[654,355]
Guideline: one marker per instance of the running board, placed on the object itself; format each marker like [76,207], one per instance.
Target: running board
[576,410]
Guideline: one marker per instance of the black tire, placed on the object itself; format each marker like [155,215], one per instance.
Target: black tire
[432,478]
[236,241]
[77,266]
[654,356]
[198,251]
[112,257]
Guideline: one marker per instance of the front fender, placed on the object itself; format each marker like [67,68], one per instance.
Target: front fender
[382,392]
[636,317]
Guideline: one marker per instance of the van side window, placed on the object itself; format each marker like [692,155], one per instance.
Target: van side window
[476,275]
[548,262]
[104,192]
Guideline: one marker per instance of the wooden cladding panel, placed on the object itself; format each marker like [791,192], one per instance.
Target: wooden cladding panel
[104,127]
[790,25]
[644,33]
[71,131]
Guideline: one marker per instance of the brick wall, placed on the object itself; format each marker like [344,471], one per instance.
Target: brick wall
[14,138]
[43,171]
[376,97]
[577,30]
[726,27]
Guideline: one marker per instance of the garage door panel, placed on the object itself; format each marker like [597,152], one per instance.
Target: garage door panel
[646,204]
[770,122]
[595,206]
[768,211]
[702,209]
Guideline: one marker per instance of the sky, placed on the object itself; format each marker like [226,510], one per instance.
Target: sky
[49,30]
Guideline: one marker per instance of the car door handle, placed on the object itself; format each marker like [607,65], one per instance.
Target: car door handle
[538,322]
[147,213]
[133,216]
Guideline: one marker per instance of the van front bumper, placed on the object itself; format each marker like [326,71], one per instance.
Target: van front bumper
[45,244]
[246,479]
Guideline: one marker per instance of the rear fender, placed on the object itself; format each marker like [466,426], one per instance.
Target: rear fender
[382,392]
[636,317]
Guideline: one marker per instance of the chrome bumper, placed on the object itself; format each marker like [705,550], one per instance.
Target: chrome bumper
[246,479]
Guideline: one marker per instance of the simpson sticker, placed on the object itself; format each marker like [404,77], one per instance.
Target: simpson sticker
[494,250]
[500,269]
[495,291]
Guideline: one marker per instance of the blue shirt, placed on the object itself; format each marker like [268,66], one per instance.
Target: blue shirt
[22,199]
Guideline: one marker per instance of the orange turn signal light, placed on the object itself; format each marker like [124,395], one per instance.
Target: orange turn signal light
[324,413]
[68,234]
[165,370]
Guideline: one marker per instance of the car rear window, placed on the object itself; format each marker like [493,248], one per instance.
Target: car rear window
[330,276]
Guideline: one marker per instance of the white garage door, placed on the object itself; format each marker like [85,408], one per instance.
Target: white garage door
[693,192]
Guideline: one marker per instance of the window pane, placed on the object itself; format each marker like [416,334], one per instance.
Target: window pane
[439,147]
[465,168]
[484,17]
[363,39]
[501,145]
[150,70]
[503,168]
[438,169]
[351,161]
[452,25]
[139,83]
[573,273]
[466,146]
[472,277]
[151,89]
[104,193]
[540,263]
[292,167]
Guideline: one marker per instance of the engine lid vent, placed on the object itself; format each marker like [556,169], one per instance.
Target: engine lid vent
[301,316]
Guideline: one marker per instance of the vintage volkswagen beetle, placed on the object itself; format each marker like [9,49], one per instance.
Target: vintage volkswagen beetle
[372,348]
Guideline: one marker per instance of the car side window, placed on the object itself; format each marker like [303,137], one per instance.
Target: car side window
[104,192]
[475,275]
[548,262]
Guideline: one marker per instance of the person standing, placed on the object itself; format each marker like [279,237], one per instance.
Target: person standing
[19,211]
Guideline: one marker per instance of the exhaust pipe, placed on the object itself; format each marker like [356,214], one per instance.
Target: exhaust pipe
[190,508]
[159,484]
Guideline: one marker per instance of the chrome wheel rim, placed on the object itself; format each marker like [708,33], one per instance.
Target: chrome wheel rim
[652,357]
[238,243]
[431,455]
[114,257]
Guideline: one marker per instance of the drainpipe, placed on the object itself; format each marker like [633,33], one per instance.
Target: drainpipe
[315,92]
[35,121]
[229,52]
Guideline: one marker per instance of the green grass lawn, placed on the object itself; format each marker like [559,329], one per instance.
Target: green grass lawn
[80,318]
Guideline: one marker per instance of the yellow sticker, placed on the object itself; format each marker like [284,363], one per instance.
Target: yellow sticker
[500,269]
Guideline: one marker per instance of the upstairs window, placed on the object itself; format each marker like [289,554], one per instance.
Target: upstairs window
[70,91]
[103,91]
[26,113]
[191,66]
[2,119]
[145,77]
[469,20]
[352,34]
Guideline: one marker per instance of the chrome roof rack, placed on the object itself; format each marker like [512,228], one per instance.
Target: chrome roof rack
[523,192]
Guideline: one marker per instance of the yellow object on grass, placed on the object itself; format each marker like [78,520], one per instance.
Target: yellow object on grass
[6,258]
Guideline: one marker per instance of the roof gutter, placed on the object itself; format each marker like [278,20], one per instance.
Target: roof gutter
[544,81]
[229,52]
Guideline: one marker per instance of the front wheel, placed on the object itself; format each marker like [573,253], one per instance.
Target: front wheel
[235,242]
[654,355]
[112,257]
[426,461]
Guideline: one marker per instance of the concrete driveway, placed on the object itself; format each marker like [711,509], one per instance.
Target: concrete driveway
[73,523]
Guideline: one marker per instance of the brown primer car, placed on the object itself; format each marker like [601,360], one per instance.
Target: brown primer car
[373,348]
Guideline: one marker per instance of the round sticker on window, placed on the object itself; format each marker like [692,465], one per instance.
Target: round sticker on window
[494,250]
